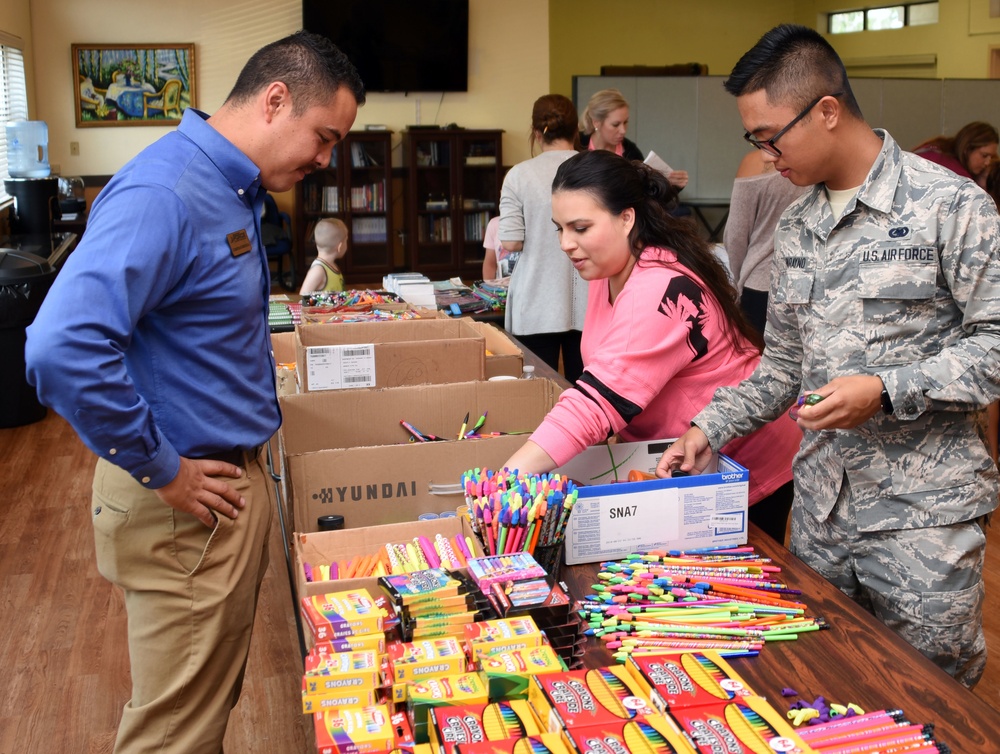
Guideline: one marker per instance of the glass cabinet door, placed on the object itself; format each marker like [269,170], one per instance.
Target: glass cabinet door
[479,194]
[434,194]
[367,163]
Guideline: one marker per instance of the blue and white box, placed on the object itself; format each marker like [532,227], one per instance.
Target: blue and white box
[614,517]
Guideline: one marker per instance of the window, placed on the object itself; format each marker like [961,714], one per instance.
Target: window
[883,17]
[13,94]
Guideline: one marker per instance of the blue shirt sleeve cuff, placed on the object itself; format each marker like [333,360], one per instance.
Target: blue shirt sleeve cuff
[161,470]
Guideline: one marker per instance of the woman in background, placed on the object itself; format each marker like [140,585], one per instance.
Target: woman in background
[604,124]
[546,299]
[968,153]
[663,331]
[760,195]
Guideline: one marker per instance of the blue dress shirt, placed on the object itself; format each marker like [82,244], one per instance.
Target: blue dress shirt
[153,341]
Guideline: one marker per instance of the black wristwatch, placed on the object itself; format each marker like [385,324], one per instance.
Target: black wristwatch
[886,402]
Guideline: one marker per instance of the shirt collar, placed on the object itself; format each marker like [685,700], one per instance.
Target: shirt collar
[879,189]
[238,169]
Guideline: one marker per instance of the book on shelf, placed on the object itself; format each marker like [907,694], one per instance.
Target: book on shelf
[480,159]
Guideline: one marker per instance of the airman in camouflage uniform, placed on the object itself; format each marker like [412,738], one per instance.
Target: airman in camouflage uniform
[890,309]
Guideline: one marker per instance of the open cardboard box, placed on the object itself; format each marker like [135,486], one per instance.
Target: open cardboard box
[388,354]
[345,452]
[325,547]
[613,517]
[503,356]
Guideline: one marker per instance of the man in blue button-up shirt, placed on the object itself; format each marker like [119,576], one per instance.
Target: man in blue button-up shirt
[153,343]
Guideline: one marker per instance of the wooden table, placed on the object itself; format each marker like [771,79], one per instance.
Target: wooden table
[858,659]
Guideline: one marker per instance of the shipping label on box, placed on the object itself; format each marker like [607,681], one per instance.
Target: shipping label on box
[613,518]
[340,367]
[388,354]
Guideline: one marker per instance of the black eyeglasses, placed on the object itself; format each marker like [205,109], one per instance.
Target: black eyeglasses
[768,144]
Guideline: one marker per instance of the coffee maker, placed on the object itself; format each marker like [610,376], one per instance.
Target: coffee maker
[36,205]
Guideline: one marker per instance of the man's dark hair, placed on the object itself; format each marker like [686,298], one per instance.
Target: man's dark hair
[793,65]
[310,65]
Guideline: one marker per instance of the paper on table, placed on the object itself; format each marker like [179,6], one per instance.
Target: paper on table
[656,162]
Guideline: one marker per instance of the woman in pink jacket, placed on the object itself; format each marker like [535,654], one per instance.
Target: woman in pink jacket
[662,332]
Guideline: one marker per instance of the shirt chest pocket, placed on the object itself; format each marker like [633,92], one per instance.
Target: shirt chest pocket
[794,287]
[899,308]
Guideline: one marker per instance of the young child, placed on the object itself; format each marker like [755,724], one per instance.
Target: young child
[331,245]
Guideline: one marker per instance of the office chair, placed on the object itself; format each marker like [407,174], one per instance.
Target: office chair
[276,235]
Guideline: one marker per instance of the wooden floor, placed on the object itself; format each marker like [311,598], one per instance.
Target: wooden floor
[62,642]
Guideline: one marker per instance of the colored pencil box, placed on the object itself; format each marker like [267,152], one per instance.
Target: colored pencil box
[692,679]
[544,743]
[586,697]
[450,726]
[642,735]
[746,724]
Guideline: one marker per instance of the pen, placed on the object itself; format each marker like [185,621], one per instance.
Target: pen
[465,423]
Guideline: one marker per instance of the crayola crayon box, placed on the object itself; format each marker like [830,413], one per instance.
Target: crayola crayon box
[486,637]
[508,673]
[742,725]
[544,743]
[450,726]
[317,697]
[586,697]
[338,614]
[692,679]
[346,679]
[640,735]
[352,643]
[356,730]
[443,691]
[411,661]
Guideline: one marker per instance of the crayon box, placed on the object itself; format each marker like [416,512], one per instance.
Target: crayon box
[358,730]
[443,691]
[509,673]
[486,637]
[338,614]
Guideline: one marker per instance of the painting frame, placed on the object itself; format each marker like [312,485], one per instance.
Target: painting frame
[133,84]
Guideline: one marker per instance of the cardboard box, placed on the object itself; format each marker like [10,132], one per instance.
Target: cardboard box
[328,546]
[346,453]
[503,356]
[612,519]
[388,354]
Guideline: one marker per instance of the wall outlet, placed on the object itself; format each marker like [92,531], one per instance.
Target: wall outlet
[74,148]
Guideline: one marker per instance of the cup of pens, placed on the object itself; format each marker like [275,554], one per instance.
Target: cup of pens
[513,512]
[550,557]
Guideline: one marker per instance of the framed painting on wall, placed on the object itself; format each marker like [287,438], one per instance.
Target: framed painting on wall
[132,85]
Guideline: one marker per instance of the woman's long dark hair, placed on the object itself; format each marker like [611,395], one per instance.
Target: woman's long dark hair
[617,184]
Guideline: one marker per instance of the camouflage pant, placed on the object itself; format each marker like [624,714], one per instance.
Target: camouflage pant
[925,584]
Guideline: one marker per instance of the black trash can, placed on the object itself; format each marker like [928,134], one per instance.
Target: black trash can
[24,280]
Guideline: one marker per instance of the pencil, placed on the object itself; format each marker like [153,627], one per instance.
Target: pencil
[465,423]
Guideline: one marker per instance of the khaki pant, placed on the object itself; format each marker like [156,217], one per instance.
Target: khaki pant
[190,594]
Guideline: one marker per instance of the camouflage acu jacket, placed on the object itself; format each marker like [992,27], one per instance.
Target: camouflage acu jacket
[905,285]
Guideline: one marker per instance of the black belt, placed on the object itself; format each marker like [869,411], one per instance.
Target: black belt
[235,456]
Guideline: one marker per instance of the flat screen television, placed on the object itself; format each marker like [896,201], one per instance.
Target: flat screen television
[398,45]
